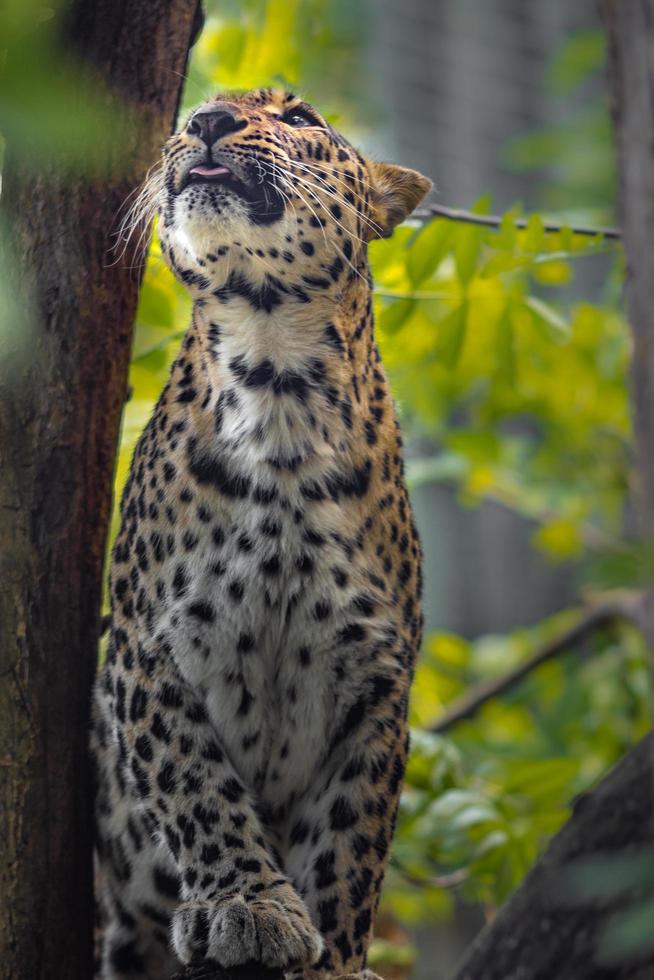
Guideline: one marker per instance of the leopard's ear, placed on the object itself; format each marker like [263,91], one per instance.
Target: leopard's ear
[395,192]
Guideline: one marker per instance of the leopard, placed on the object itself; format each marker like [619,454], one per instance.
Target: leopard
[250,733]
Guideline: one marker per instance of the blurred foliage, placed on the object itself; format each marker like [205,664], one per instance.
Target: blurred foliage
[505,391]
[310,46]
[486,797]
[575,156]
[526,402]
[623,564]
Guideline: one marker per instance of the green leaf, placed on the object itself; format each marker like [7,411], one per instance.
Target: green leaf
[541,778]
[560,538]
[534,234]
[555,272]
[384,953]
[228,44]
[396,314]
[547,317]
[505,348]
[491,843]
[428,250]
[577,59]
[483,205]
[451,334]
[450,804]
[480,813]
[442,468]
[149,340]
[156,305]
[466,251]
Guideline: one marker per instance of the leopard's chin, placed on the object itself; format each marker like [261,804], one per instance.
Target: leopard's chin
[213,189]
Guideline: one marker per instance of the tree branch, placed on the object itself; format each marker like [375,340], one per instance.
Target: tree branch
[430,211]
[599,617]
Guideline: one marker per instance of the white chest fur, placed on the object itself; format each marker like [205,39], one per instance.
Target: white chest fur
[256,619]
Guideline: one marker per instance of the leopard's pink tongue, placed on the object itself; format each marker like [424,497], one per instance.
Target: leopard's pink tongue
[203,171]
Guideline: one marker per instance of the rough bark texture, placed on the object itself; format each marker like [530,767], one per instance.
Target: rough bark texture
[60,407]
[540,934]
[630,33]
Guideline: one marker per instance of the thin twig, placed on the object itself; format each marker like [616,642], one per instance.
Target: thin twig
[430,211]
[598,617]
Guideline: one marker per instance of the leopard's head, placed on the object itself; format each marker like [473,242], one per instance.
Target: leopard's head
[260,185]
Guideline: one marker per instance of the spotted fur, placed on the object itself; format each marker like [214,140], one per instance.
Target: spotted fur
[250,729]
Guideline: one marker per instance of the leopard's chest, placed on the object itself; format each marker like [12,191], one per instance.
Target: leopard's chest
[254,617]
[254,596]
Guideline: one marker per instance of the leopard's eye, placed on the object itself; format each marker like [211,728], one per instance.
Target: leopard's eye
[298,118]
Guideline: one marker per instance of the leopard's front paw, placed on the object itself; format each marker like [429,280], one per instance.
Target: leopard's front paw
[319,974]
[266,930]
[363,975]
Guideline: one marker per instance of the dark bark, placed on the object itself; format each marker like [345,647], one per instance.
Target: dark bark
[541,934]
[59,420]
[630,33]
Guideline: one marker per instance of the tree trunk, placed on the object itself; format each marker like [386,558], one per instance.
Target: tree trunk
[59,422]
[630,32]
[540,934]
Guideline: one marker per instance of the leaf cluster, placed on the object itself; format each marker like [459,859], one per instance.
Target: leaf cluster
[509,392]
[481,802]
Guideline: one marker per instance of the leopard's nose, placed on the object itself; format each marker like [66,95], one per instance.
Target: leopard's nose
[212,123]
